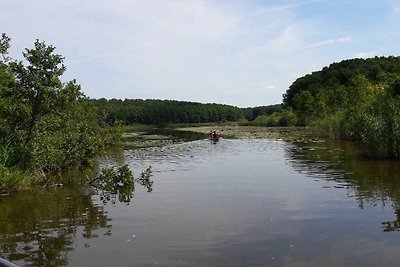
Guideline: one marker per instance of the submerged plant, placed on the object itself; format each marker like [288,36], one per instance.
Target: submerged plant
[120,182]
[144,179]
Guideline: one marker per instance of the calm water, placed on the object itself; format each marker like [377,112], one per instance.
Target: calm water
[234,203]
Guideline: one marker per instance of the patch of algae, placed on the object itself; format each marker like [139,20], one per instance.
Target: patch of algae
[252,132]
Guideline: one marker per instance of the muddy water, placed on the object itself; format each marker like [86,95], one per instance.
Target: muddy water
[235,203]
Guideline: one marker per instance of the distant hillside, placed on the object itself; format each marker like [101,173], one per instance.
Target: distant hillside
[331,84]
[356,99]
[165,111]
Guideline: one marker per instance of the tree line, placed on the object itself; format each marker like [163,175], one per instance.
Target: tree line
[162,112]
[159,112]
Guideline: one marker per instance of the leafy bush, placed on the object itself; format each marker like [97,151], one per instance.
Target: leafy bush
[379,129]
[112,179]
[334,126]
[63,142]
[46,126]
[286,117]
[145,180]
[376,125]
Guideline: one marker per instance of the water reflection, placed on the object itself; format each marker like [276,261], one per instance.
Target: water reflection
[370,182]
[177,135]
[38,228]
[158,137]
[111,185]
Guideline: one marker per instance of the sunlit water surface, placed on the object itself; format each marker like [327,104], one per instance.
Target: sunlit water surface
[234,203]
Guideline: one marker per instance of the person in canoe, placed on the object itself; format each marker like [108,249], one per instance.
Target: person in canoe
[214,136]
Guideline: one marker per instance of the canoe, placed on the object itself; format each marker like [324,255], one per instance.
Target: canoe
[4,263]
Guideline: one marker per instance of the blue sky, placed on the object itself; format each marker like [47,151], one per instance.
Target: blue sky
[243,53]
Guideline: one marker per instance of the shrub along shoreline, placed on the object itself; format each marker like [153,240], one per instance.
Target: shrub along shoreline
[356,100]
[46,126]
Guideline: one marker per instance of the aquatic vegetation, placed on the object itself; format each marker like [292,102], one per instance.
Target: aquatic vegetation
[11,180]
[114,183]
[255,132]
[145,180]
[379,129]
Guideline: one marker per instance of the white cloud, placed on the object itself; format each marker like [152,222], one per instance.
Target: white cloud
[274,9]
[328,42]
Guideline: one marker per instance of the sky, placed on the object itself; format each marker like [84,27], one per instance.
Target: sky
[236,52]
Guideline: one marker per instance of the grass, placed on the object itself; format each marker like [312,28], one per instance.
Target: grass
[11,180]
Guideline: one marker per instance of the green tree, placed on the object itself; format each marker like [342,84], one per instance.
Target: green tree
[4,46]
[37,85]
[304,102]
[46,125]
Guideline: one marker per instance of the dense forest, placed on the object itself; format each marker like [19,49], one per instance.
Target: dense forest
[356,99]
[341,85]
[160,112]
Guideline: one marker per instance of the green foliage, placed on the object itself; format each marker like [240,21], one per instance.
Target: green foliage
[334,126]
[339,76]
[46,126]
[395,88]
[11,180]
[288,118]
[6,151]
[122,177]
[13,155]
[379,128]
[253,113]
[145,179]
[356,100]
[304,101]
[285,117]
[374,121]
[37,85]
[161,112]
[4,46]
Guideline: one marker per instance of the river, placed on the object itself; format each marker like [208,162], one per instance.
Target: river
[239,202]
